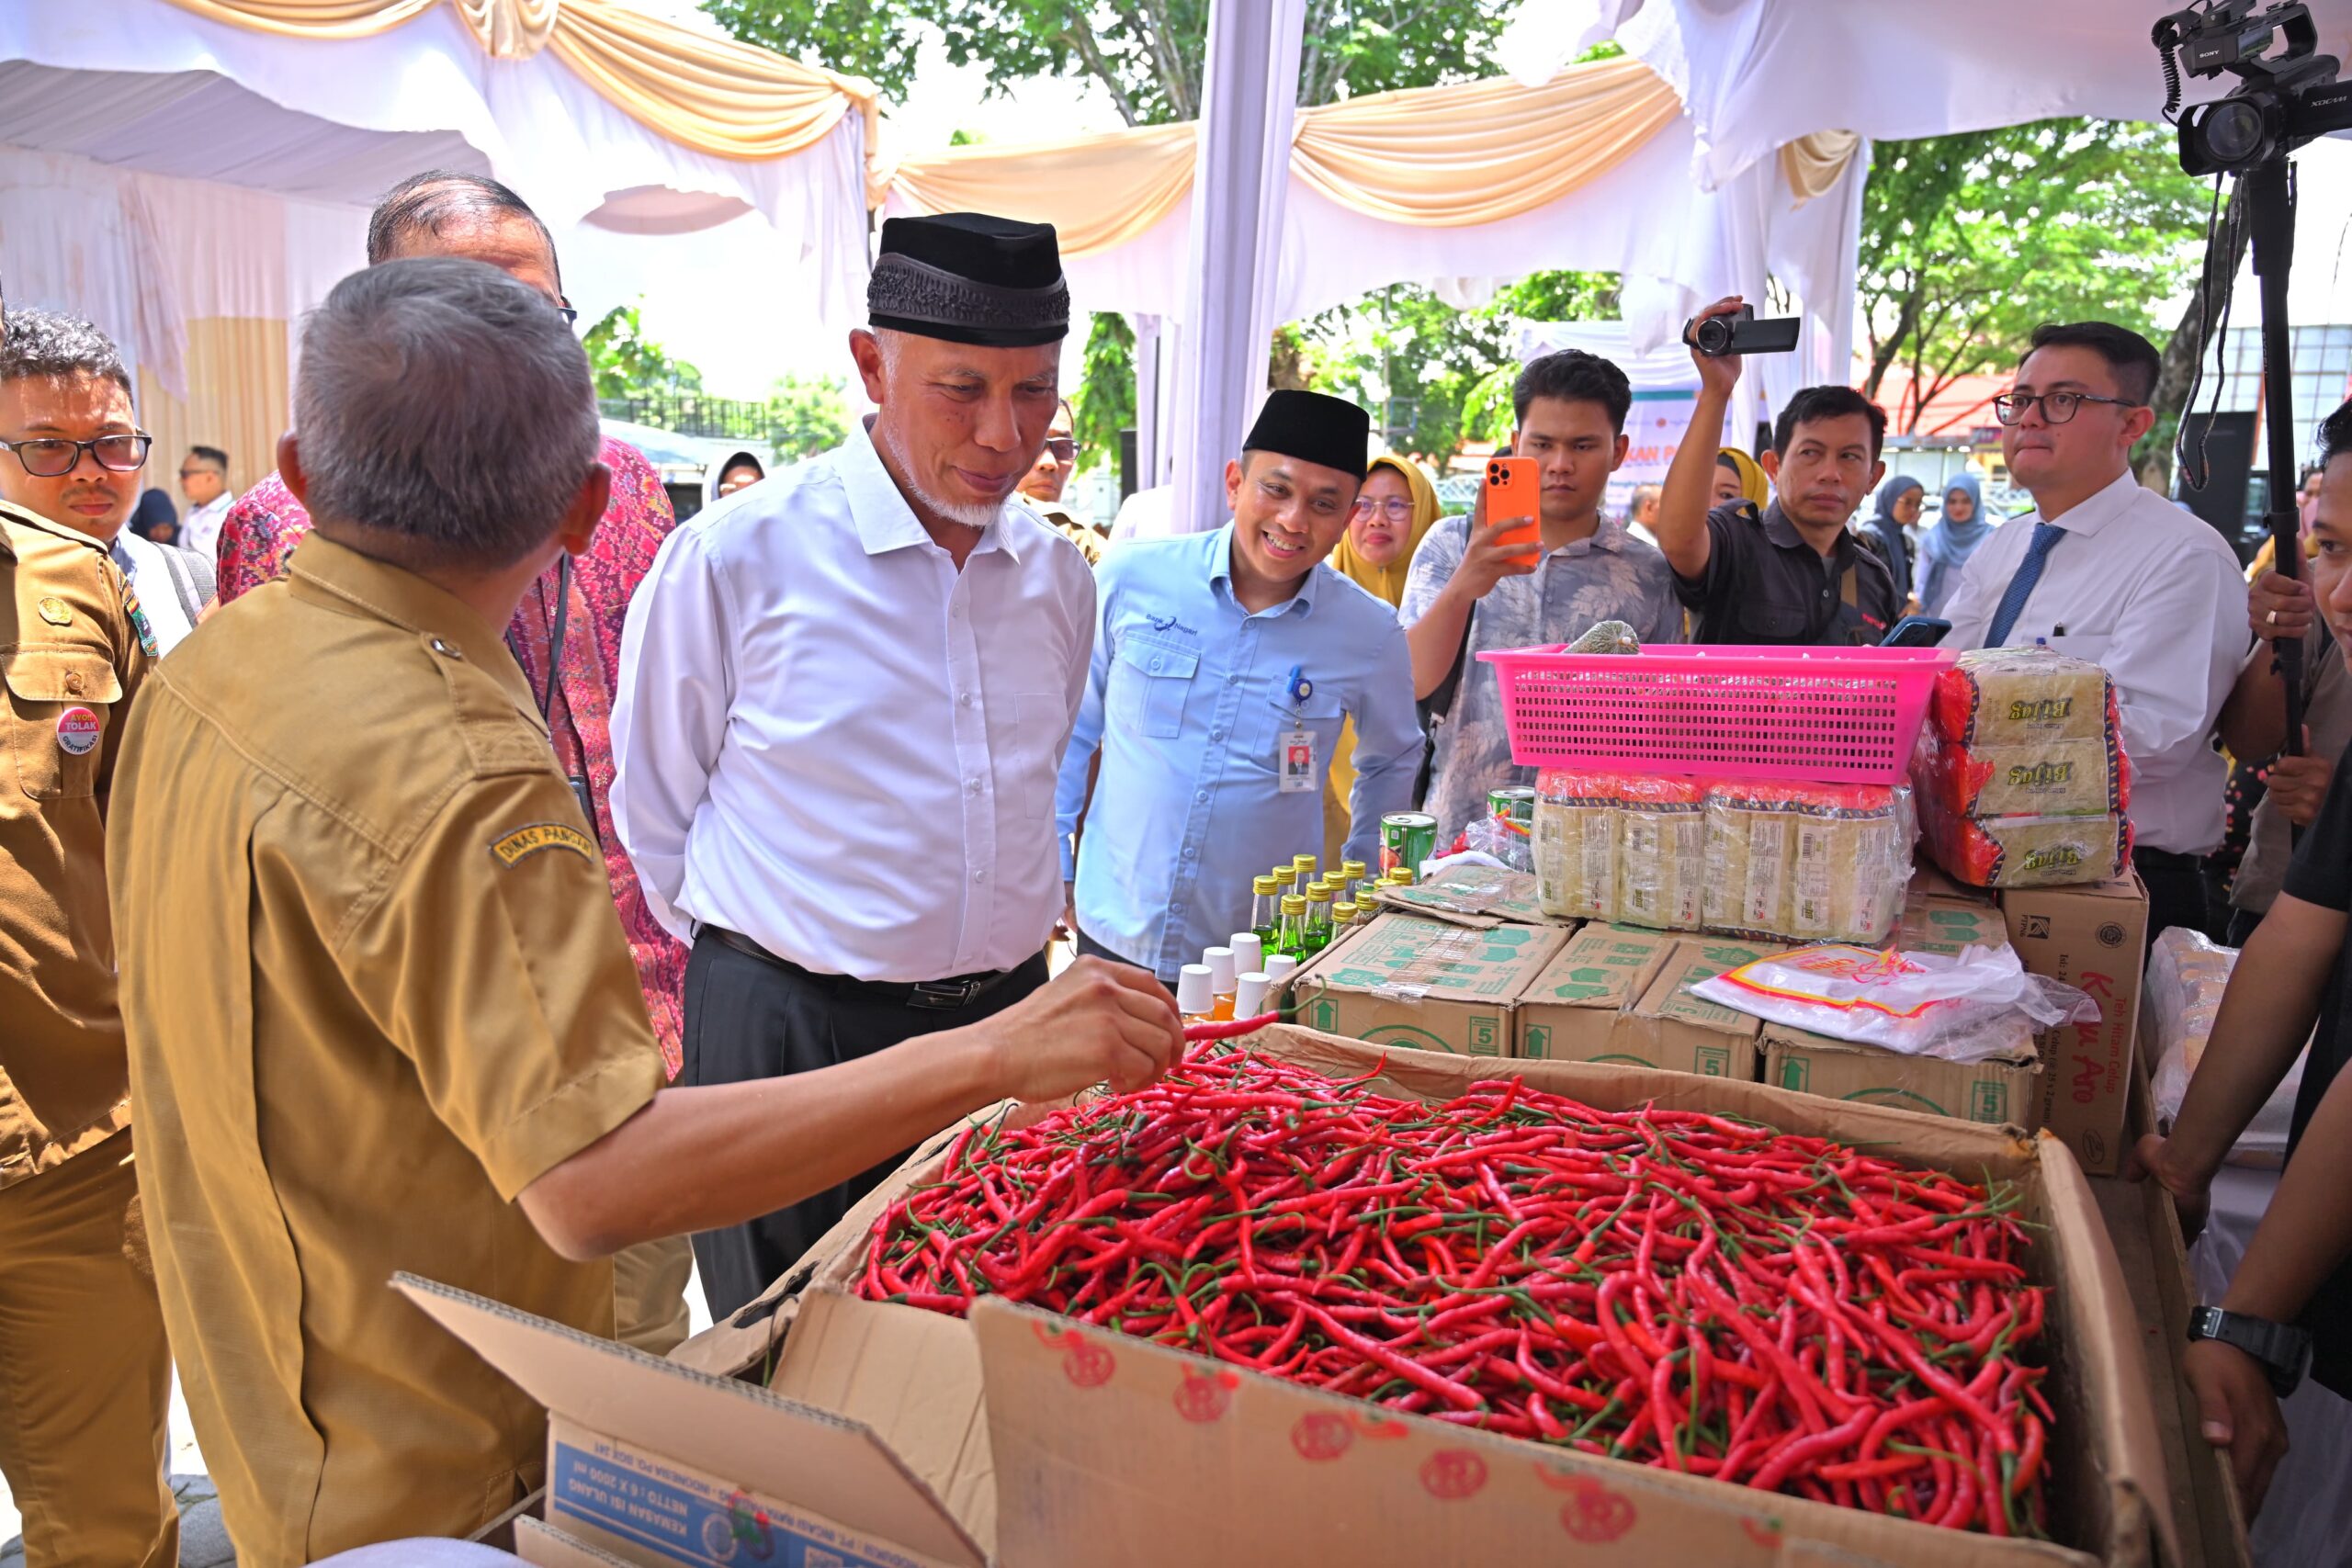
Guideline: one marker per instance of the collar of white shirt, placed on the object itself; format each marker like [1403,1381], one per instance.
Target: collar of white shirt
[879,510]
[2099,510]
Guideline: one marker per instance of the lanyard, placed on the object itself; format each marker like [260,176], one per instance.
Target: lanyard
[578,780]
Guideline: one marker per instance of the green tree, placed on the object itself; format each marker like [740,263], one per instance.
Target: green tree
[1145,54]
[1969,241]
[807,414]
[628,363]
[1105,404]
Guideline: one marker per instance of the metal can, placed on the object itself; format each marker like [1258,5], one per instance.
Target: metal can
[1515,805]
[1407,838]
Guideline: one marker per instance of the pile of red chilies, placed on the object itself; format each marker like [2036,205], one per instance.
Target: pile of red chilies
[1679,1290]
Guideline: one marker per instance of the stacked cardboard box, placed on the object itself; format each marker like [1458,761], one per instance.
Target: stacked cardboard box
[1431,985]
[2094,937]
[1622,994]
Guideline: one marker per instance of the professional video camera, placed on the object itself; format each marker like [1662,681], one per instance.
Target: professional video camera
[2281,103]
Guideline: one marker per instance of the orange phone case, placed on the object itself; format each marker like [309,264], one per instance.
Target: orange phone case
[1511,493]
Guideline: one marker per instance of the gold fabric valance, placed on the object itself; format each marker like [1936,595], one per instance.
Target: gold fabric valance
[712,94]
[1431,157]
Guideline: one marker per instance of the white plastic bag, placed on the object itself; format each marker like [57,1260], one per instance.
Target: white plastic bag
[2187,975]
[1965,1008]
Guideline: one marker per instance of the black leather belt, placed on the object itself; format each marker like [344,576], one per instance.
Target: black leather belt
[957,991]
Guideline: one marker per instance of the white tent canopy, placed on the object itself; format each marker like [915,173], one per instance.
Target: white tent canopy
[194,184]
[1755,73]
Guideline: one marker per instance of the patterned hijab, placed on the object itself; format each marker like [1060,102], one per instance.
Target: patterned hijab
[1388,582]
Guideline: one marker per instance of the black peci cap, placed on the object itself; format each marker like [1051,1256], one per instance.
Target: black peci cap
[1331,432]
[969,278]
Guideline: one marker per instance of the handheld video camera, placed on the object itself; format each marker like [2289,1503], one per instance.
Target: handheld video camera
[1741,333]
[2279,105]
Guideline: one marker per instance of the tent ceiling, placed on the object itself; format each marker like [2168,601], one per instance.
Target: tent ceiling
[197,125]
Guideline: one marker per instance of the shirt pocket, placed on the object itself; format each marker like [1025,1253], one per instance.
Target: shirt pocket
[1150,679]
[1768,620]
[1320,715]
[45,683]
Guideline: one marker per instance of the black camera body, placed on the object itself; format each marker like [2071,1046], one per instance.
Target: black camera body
[1741,333]
[2281,103]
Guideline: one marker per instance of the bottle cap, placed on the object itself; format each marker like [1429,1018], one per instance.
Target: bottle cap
[1263,886]
[1352,870]
[1318,889]
[1292,904]
[1402,875]
[1221,971]
[1248,952]
[1193,991]
[1249,995]
[1344,911]
[1279,967]
[1285,877]
[1303,865]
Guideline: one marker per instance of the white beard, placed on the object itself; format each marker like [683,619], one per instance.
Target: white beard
[968,515]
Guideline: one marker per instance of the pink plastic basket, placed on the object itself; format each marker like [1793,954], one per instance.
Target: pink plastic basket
[1834,715]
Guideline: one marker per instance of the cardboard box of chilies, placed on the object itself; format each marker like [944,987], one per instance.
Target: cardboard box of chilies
[1053,1444]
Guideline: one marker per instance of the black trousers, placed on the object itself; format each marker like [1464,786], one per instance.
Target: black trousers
[2176,890]
[747,1018]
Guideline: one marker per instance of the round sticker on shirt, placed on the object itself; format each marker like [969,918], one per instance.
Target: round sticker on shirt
[78,731]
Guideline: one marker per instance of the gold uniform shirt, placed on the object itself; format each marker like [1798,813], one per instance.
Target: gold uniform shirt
[375,987]
[71,659]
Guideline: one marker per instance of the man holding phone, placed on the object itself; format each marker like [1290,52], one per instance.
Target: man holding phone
[1794,574]
[1479,582]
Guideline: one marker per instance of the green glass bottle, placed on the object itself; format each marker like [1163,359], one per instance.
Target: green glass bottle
[1319,916]
[1290,934]
[1266,910]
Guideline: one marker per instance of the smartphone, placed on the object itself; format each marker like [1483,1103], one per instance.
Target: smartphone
[1917,631]
[1513,490]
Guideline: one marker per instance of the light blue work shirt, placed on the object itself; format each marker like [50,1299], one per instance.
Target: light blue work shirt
[1187,699]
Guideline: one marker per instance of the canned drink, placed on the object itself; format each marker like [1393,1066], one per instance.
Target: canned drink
[1515,805]
[1407,838]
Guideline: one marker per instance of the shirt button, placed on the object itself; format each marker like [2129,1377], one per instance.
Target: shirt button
[444,651]
[1233,679]
[980,877]
[1158,665]
[74,682]
[965,698]
[1188,851]
[1202,796]
[1217,734]
[971,786]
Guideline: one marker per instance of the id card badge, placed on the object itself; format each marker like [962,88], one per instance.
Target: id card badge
[1296,763]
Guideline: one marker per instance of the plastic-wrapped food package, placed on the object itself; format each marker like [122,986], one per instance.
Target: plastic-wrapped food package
[2043,778]
[2182,994]
[1813,862]
[2026,851]
[1964,1007]
[2023,696]
[1575,842]
[1662,853]
[1752,857]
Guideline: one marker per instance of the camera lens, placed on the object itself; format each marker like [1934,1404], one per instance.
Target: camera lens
[1714,335]
[2234,132]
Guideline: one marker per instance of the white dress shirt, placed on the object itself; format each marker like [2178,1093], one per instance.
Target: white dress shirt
[149,568]
[201,532]
[2155,595]
[829,739]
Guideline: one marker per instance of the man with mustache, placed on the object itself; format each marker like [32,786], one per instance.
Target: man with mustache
[844,692]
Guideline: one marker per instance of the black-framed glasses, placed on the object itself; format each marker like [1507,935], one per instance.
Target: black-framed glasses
[1397,509]
[53,457]
[569,312]
[2056,407]
[1062,447]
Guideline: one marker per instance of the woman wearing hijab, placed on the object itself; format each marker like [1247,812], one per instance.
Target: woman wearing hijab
[1951,541]
[1898,510]
[1738,478]
[1395,507]
[154,518]
[742,468]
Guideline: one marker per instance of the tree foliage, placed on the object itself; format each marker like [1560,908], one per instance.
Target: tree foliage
[1145,54]
[1969,241]
[628,363]
[1105,405]
[805,415]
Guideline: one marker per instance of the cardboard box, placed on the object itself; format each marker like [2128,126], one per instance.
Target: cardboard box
[1473,895]
[1672,1030]
[1569,1011]
[2096,937]
[1936,926]
[656,1465]
[1103,1448]
[1997,1091]
[1407,980]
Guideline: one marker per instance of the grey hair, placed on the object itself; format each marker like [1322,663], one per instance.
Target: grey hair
[442,403]
[51,344]
[422,206]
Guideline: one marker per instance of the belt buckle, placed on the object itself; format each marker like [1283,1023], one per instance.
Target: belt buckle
[944,994]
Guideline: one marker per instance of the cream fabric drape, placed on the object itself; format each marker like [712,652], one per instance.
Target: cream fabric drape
[1811,164]
[715,95]
[238,397]
[1458,156]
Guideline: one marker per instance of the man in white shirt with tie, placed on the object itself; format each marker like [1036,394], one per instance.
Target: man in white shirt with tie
[844,692]
[2108,572]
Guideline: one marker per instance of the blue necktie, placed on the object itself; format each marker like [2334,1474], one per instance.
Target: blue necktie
[2020,587]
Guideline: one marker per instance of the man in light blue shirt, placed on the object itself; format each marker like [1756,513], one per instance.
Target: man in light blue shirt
[1224,664]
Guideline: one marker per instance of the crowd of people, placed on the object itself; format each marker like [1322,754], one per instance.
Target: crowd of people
[507,878]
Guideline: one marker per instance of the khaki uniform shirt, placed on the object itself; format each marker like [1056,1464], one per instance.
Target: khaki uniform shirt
[1090,540]
[375,987]
[72,658]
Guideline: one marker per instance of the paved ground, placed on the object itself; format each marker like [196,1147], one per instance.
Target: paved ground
[203,1543]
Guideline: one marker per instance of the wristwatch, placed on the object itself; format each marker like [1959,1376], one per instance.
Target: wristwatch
[2284,1351]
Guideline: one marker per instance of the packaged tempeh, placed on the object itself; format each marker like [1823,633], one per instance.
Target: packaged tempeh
[2041,778]
[1662,853]
[2026,851]
[1575,842]
[2010,696]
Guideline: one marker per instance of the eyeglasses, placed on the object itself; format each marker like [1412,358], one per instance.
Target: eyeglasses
[1062,448]
[51,457]
[2056,407]
[1397,509]
[569,312]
